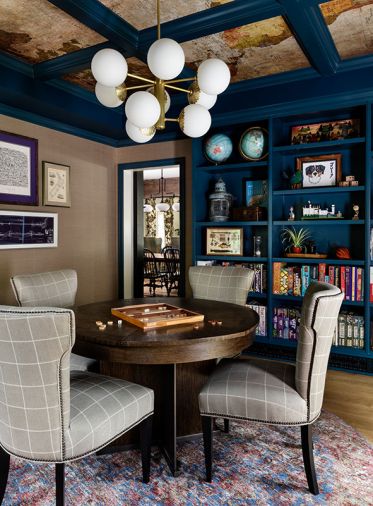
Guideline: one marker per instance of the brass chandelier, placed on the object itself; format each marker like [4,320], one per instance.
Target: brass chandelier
[146,110]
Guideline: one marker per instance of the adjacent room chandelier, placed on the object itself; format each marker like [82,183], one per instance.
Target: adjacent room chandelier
[146,110]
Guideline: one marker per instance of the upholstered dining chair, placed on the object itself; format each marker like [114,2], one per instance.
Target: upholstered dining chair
[57,289]
[49,415]
[278,393]
[226,284]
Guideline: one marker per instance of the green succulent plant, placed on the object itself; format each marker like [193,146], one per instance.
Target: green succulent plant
[291,237]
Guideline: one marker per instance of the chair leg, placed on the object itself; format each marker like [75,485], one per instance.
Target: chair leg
[207,423]
[226,425]
[309,465]
[60,484]
[145,445]
[4,471]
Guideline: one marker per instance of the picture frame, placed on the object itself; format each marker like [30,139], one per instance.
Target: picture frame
[255,192]
[56,184]
[21,229]
[325,131]
[18,169]
[224,241]
[320,171]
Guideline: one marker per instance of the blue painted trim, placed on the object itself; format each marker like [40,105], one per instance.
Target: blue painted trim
[214,20]
[313,35]
[68,63]
[328,261]
[319,223]
[102,20]
[120,235]
[316,191]
[13,63]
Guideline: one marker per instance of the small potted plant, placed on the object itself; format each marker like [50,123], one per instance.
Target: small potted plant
[294,239]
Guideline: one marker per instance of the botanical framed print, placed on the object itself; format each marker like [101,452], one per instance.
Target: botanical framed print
[21,229]
[56,185]
[18,169]
[224,241]
[320,171]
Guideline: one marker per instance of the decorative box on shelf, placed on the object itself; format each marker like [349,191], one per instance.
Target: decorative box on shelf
[250,213]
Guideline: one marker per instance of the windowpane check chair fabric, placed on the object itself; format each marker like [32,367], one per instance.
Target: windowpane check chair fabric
[46,289]
[275,392]
[46,416]
[226,284]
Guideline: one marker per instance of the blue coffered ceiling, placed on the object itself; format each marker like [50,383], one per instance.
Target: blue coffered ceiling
[280,52]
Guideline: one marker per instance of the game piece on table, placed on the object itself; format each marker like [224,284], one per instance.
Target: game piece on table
[119,323]
[110,322]
[219,322]
[102,327]
[98,323]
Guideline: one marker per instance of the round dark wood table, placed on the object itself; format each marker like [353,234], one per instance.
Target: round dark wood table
[175,361]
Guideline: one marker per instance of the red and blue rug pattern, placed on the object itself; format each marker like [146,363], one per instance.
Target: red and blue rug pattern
[253,465]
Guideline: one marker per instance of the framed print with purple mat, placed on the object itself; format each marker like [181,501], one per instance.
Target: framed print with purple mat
[18,169]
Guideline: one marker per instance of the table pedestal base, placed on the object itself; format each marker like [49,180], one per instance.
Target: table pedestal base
[176,388]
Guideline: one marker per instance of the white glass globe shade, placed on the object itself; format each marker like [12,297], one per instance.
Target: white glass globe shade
[194,120]
[166,59]
[139,135]
[199,97]
[142,109]
[167,104]
[176,207]
[109,67]
[107,95]
[162,206]
[213,76]
[148,208]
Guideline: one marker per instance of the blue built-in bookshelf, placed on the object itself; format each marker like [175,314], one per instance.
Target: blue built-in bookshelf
[357,160]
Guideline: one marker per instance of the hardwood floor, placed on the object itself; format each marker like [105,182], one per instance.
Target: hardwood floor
[350,396]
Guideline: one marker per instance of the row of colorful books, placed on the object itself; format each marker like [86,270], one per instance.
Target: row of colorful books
[286,323]
[260,272]
[294,280]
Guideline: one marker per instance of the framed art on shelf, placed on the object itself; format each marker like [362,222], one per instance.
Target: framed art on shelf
[21,229]
[56,185]
[224,241]
[255,192]
[327,131]
[320,171]
[18,169]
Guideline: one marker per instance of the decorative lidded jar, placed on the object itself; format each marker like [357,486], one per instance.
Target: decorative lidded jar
[220,202]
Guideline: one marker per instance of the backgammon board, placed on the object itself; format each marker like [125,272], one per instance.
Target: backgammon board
[150,316]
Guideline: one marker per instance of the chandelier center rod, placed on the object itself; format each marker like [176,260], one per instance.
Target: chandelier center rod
[158,20]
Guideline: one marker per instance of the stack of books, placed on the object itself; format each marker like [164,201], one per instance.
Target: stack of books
[262,312]
[294,280]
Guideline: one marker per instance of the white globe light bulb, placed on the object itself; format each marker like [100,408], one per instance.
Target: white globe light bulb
[166,59]
[162,206]
[213,76]
[167,97]
[143,109]
[194,120]
[109,67]
[199,97]
[107,95]
[139,135]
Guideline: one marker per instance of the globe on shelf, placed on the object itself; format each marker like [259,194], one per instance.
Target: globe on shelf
[218,148]
[253,144]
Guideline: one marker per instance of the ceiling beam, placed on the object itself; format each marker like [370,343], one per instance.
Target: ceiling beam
[307,23]
[102,20]
[214,20]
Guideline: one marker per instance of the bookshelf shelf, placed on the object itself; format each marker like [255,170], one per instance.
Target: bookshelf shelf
[357,160]
[319,146]
[319,191]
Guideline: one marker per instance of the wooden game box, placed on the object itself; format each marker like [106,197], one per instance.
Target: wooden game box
[152,316]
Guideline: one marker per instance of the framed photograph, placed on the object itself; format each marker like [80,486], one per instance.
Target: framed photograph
[255,192]
[19,229]
[224,241]
[320,171]
[18,169]
[327,131]
[56,185]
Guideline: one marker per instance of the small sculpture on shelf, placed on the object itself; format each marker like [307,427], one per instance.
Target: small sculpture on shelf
[349,181]
[314,212]
[356,211]
[257,246]
[291,214]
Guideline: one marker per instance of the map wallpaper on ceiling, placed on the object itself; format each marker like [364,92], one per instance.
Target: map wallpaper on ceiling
[351,26]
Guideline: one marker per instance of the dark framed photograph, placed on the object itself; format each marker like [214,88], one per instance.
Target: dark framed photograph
[18,169]
[56,185]
[255,192]
[320,171]
[327,131]
[21,229]
[224,241]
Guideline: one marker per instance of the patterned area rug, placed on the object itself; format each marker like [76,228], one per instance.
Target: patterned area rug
[254,464]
